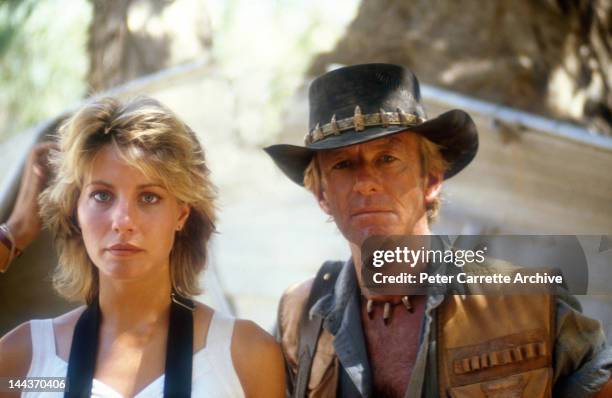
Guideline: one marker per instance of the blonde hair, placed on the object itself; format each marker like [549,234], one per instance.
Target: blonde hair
[432,161]
[151,138]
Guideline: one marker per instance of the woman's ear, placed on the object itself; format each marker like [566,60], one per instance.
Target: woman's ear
[184,211]
[433,185]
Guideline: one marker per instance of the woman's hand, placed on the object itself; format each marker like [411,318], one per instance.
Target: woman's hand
[24,222]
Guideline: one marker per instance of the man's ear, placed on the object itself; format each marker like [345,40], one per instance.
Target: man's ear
[433,185]
[323,203]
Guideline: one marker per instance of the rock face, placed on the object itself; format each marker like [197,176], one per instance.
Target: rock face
[552,57]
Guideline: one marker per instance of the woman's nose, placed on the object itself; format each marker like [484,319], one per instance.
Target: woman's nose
[123,217]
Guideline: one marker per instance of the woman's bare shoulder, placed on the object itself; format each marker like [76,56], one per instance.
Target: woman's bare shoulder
[201,321]
[16,345]
[258,360]
[66,322]
[63,328]
[250,335]
[202,312]
[16,351]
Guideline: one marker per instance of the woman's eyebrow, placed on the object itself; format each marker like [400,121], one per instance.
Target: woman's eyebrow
[100,182]
[150,185]
[109,185]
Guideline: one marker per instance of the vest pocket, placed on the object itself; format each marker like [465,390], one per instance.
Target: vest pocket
[530,384]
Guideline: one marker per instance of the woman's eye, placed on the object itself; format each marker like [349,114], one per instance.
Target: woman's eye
[342,165]
[150,198]
[101,196]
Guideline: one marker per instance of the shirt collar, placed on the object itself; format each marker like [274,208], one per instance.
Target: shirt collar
[331,306]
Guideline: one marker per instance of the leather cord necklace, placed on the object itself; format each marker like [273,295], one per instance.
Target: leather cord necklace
[179,350]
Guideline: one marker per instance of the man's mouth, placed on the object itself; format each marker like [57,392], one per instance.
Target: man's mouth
[371,212]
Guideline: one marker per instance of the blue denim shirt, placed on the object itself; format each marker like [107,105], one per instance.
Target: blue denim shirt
[581,361]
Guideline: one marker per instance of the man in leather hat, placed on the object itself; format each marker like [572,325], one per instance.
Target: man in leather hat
[376,164]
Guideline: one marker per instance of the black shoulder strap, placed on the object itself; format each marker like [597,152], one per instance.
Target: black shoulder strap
[83,352]
[179,351]
[310,328]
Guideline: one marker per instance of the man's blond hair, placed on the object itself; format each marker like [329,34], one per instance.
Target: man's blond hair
[432,162]
[151,138]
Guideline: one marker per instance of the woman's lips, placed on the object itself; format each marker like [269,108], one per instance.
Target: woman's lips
[123,249]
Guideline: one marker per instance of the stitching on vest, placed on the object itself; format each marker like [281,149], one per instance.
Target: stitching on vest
[511,387]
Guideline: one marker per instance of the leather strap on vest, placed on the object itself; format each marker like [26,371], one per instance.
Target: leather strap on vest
[179,351]
[310,328]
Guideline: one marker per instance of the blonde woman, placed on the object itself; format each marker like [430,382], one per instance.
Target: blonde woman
[131,209]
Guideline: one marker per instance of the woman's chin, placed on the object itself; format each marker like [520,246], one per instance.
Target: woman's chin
[123,270]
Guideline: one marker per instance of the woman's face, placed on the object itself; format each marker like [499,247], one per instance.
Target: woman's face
[128,221]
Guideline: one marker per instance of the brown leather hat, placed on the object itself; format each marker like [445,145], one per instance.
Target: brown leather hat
[359,103]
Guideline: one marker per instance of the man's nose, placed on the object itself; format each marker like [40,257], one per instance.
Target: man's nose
[123,217]
[367,180]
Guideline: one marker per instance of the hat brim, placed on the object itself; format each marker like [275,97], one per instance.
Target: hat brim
[454,131]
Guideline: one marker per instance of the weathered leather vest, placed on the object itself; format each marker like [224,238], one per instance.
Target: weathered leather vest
[488,346]
[496,346]
[325,367]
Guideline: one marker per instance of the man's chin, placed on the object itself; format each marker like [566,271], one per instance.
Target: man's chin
[360,236]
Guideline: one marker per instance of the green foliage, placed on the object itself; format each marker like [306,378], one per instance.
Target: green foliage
[13,14]
[43,59]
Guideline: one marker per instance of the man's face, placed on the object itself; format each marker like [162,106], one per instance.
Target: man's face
[377,188]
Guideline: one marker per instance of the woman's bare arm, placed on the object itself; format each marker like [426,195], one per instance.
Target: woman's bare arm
[24,222]
[258,361]
[16,353]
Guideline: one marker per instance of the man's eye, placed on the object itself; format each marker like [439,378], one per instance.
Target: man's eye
[342,165]
[388,158]
[101,196]
[150,198]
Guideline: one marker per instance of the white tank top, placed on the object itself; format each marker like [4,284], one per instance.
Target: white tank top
[213,371]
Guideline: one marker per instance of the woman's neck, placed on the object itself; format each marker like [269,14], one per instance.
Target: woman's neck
[135,305]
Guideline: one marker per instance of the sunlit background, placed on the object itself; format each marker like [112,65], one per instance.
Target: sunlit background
[237,72]
[261,49]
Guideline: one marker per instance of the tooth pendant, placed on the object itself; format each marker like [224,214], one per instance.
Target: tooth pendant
[387,312]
